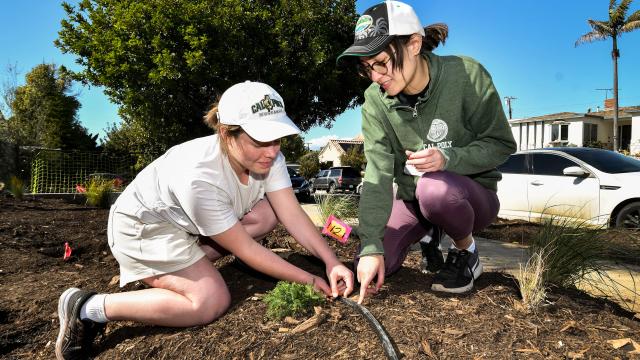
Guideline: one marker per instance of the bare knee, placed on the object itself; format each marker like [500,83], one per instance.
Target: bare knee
[209,306]
[260,221]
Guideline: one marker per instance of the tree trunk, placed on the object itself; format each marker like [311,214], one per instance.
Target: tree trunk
[615,54]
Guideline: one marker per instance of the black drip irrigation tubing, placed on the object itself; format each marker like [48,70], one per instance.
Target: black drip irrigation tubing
[387,344]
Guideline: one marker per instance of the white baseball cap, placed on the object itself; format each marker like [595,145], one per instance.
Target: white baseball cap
[379,24]
[258,109]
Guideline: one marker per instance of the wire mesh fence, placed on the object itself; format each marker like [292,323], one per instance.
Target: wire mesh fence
[57,171]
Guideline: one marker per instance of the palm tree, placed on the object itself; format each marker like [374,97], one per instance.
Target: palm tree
[612,28]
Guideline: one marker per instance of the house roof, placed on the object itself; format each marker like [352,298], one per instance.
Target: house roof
[343,146]
[626,111]
[556,116]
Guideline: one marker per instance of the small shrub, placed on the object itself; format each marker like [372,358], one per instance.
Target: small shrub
[98,192]
[291,299]
[343,207]
[530,281]
[16,187]
[597,145]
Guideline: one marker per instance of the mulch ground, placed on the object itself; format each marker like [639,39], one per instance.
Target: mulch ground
[485,324]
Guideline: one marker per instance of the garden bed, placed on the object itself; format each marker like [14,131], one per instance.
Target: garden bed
[423,324]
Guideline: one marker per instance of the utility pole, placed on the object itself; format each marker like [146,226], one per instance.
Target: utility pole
[507,101]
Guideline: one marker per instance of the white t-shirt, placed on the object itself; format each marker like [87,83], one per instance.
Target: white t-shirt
[193,187]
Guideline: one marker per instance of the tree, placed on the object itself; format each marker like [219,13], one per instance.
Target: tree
[616,25]
[354,157]
[309,165]
[166,61]
[43,113]
[292,147]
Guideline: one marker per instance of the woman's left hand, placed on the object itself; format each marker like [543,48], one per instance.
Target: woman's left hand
[427,160]
[340,279]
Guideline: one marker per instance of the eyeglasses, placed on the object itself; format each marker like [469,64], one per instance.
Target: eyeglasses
[365,69]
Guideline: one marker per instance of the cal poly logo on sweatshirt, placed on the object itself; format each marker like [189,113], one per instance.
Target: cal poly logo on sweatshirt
[438,130]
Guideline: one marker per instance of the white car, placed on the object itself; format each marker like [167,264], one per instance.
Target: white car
[599,187]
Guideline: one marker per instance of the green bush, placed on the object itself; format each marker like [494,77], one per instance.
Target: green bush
[291,299]
[309,165]
[16,187]
[98,192]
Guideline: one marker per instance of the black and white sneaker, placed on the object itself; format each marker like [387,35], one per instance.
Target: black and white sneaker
[76,336]
[432,259]
[459,272]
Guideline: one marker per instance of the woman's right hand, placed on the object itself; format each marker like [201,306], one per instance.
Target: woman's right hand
[320,285]
[368,268]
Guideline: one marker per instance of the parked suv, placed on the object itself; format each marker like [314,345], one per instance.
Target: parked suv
[340,178]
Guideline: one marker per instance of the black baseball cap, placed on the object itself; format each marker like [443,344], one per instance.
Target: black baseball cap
[379,24]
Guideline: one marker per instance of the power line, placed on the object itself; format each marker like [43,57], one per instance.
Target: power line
[606,92]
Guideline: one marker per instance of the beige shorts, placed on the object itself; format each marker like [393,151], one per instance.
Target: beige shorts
[146,250]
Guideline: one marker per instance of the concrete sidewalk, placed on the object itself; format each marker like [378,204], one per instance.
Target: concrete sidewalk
[495,255]
[507,257]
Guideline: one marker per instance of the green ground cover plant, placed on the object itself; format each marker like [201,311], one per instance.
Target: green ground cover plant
[291,299]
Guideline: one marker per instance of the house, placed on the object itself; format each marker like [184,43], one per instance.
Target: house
[579,129]
[331,152]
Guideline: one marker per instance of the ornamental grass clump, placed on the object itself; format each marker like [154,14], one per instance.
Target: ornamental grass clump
[291,299]
[98,192]
[573,250]
[344,207]
[577,255]
[530,281]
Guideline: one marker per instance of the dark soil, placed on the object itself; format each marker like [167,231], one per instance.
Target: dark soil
[485,324]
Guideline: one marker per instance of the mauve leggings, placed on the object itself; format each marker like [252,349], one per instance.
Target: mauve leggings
[455,203]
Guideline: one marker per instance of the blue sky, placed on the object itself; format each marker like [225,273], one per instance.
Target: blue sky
[527,46]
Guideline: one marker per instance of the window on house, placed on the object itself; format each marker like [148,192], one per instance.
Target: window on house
[590,133]
[559,132]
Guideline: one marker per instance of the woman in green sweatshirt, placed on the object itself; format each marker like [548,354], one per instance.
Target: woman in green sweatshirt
[434,126]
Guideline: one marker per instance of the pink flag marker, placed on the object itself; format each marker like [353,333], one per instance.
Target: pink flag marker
[67,251]
[337,229]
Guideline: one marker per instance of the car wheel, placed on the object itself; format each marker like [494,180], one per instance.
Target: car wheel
[629,216]
[331,189]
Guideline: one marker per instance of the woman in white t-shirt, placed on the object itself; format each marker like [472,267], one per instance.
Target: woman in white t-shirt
[213,187]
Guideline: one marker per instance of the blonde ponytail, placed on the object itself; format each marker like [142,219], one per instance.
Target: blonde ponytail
[224,131]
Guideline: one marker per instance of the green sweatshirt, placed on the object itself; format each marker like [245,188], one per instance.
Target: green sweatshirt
[461,114]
